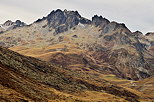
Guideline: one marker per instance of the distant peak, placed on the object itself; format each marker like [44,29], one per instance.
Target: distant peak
[66,12]
[119,24]
[58,10]
[17,21]
[149,33]
[8,23]
[100,18]
[61,21]
[96,16]
[99,21]
[114,22]
[75,13]
[137,33]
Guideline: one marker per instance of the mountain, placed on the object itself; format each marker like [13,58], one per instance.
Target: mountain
[28,79]
[9,25]
[92,53]
[126,53]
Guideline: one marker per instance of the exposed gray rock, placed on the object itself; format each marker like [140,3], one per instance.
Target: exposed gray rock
[137,33]
[109,38]
[9,25]
[125,40]
[61,21]
[19,23]
[114,26]
[152,43]
[99,21]
[60,29]
[149,33]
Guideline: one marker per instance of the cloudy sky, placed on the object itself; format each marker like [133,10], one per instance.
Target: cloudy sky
[136,14]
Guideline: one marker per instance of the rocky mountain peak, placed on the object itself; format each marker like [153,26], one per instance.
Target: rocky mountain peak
[8,23]
[108,26]
[73,13]
[99,21]
[137,33]
[150,33]
[19,23]
[114,26]
[61,21]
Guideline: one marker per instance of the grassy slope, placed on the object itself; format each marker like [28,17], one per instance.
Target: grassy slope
[35,80]
[79,70]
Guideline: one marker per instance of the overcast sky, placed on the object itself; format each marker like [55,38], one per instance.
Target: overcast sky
[136,14]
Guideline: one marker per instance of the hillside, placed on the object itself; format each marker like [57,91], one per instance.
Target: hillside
[26,78]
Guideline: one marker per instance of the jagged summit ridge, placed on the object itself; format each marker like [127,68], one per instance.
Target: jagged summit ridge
[9,25]
[99,21]
[62,21]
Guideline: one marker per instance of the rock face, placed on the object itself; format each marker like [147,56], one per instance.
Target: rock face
[9,25]
[18,23]
[62,21]
[150,34]
[99,21]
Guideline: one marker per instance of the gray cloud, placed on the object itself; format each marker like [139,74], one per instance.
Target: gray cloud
[136,14]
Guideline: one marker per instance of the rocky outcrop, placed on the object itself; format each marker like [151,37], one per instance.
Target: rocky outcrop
[18,23]
[9,25]
[107,26]
[150,34]
[137,33]
[99,21]
[62,21]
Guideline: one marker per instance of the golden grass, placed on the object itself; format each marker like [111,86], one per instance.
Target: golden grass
[45,53]
[11,94]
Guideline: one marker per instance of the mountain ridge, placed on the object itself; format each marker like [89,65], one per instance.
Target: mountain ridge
[97,18]
[9,25]
[96,36]
[76,59]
